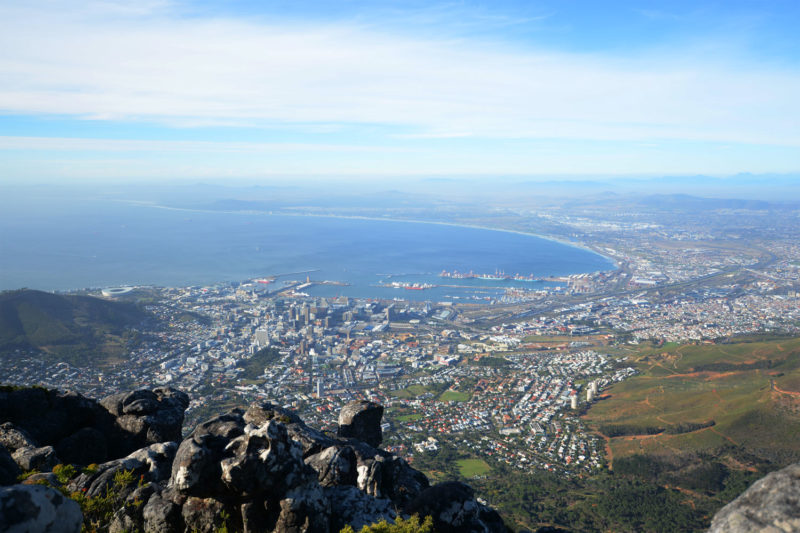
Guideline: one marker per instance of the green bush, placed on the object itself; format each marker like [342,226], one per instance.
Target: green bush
[412,525]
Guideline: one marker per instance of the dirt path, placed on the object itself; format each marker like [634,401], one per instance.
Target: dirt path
[609,453]
[793,394]
[713,430]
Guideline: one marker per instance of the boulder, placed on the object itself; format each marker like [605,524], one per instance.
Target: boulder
[335,465]
[263,461]
[28,508]
[151,464]
[304,510]
[14,438]
[162,516]
[145,417]
[85,431]
[771,504]
[206,515]
[43,458]
[196,470]
[129,515]
[361,420]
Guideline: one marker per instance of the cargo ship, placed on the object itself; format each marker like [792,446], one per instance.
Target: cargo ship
[497,276]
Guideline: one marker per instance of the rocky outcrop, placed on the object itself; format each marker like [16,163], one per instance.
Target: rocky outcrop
[255,470]
[361,420]
[14,438]
[455,510]
[78,430]
[27,508]
[43,458]
[770,504]
[145,417]
[151,464]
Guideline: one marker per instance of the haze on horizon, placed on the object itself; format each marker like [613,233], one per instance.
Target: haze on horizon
[252,91]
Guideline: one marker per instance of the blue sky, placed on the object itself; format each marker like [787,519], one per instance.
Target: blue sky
[253,91]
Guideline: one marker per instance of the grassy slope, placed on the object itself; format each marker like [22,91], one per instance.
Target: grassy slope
[79,329]
[751,391]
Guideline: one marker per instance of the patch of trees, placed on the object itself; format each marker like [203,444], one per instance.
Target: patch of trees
[254,367]
[494,362]
[734,367]
[688,427]
[623,430]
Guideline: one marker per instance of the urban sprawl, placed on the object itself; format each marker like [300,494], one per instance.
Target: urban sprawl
[507,380]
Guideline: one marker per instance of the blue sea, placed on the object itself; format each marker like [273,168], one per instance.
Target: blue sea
[100,243]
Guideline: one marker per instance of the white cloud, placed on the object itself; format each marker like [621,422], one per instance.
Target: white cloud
[69,144]
[107,63]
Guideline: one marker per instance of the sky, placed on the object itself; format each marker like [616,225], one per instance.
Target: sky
[108,90]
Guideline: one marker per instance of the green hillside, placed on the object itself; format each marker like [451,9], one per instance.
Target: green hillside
[81,330]
[698,398]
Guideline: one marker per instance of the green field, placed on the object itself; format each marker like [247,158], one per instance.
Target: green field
[410,417]
[411,392]
[454,396]
[473,467]
[749,390]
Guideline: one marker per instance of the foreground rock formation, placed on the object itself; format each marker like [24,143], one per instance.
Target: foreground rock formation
[771,504]
[253,470]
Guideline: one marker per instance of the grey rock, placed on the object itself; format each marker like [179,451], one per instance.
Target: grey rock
[124,521]
[771,504]
[335,465]
[9,469]
[259,413]
[304,510]
[195,468]
[455,510]
[263,461]
[43,458]
[401,483]
[206,515]
[151,464]
[14,438]
[361,420]
[311,440]
[31,508]
[370,476]
[162,516]
[351,506]
[145,417]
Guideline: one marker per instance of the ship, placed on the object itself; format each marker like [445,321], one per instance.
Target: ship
[409,286]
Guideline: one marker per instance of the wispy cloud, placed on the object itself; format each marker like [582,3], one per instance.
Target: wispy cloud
[146,63]
[69,144]
[175,70]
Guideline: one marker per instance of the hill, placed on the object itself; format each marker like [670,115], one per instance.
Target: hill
[698,398]
[81,330]
[705,419]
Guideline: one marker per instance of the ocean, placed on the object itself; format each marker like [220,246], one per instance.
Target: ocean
[94,243]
